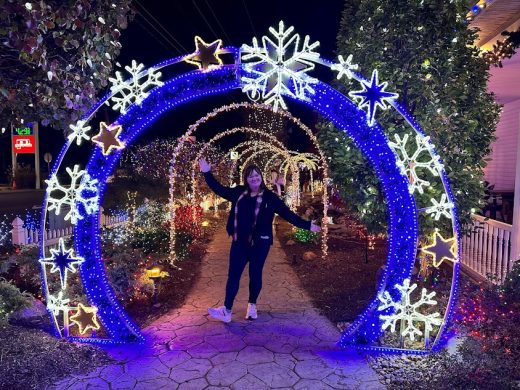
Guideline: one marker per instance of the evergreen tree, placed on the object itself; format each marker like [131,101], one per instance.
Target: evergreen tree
[424,50]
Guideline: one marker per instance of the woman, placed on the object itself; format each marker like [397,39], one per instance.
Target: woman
[250,224]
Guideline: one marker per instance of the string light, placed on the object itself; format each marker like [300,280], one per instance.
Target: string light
[335,107]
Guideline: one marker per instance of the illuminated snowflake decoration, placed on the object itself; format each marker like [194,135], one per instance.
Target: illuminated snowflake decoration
[62,260]
[82,190]
[410,163]
[133,90]
[442,208]
[79,132]
[57,303]
[372,96]
[344,67]
[408,312]
[279,67]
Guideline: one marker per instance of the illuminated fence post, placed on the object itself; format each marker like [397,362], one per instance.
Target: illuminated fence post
[19,235]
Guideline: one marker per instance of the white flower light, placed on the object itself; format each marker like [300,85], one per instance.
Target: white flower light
[79,132]
[344,67]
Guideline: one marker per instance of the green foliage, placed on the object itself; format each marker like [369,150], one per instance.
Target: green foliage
[151,240]
[511,286]
[11,299]
[305,236]
[56,55]
[424,50]
[126,271]
[23,268]
[183,242]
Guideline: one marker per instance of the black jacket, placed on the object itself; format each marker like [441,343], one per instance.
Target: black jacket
[271,204]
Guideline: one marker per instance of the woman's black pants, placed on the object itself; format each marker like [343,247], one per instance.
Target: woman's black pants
[240,254]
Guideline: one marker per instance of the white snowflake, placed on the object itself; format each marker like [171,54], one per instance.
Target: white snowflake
[73,194]
[132,91]
[79,132]
[442,208]
[410,163]
[57,303]
[344,67]
[279,67]
[407,312]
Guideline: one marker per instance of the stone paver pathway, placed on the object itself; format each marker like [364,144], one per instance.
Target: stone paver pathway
[290,345]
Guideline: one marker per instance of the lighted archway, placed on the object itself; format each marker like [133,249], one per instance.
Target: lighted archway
[88,186]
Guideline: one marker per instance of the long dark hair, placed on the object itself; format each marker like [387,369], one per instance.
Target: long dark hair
[247,172]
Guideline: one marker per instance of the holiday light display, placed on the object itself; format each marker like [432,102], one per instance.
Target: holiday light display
[108,138]
[442,249]
[62,260]
[82,192]
[372,96]
[133,91]
[407,312]
[85,318]
[79,132]
[410,163]
[276,64]
[138,112]
[206,55]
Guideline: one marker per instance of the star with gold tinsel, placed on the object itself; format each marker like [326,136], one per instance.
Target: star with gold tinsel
[206,54]
[442,249]
[108,138]
[85,318]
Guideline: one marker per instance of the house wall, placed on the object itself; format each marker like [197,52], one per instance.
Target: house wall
[500,171]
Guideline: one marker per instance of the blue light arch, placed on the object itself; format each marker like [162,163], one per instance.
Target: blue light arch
[335,107]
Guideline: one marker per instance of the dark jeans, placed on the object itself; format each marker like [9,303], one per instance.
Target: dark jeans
[240,254]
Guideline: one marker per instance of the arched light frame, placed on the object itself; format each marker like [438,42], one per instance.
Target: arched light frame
[333,106]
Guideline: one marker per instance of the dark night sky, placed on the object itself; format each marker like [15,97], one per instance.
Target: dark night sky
[165,29]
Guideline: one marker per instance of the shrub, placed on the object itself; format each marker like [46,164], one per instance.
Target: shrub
[11,299]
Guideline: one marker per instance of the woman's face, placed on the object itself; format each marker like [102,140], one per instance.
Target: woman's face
[254,180]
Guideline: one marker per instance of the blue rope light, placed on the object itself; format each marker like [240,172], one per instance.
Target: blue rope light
[335,107]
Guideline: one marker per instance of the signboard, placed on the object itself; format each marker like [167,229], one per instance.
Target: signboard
[23,130]
[24,144]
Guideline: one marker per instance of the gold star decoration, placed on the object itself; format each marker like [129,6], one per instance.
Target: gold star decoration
[108,137]
[206,54]
[85,318]
[442,249]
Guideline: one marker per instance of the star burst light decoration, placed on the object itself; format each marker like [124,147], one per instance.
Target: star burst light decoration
[62,260]
[85,318]
[279,67]
[373,95]
[442,249]
[108,138]
[206,55]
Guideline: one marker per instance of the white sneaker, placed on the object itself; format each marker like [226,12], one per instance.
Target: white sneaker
[251,312]
[220,313]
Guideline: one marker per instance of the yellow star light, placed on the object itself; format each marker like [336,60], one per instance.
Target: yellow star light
[442,249]
[206,54]
[85,318]
[108,137]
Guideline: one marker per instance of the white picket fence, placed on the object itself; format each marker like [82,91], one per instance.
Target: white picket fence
[23,236]
[487,250]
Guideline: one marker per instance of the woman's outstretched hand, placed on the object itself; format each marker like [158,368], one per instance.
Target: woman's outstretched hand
[204,166]
[315,228]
